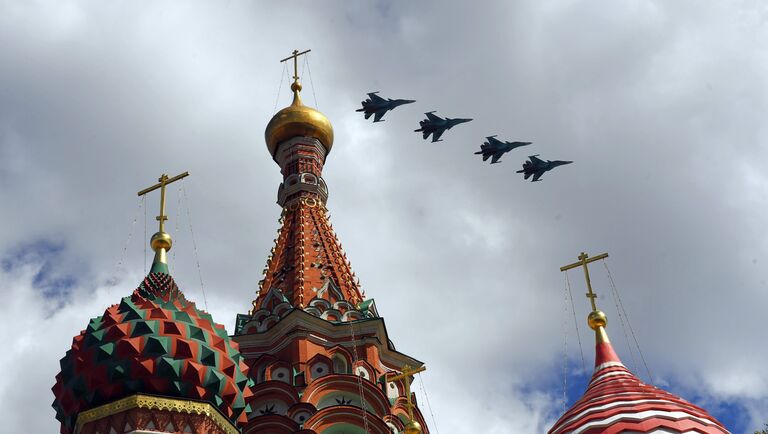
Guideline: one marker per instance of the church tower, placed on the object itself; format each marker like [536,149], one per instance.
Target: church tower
[318,351]
[153,363]
[616,401]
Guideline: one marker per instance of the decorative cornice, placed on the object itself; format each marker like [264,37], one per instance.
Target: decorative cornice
[155,403]
[298,182]
[299,324]
[286,151]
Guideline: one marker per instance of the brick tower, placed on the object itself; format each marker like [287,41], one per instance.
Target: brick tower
[318,351]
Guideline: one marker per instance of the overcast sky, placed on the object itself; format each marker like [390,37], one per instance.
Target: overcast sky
[662,106]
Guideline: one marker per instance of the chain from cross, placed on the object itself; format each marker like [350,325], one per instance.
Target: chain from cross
[405,375]
[295,57]
[584,259]
[162,182]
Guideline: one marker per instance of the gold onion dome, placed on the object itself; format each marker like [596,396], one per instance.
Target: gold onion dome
[298,120]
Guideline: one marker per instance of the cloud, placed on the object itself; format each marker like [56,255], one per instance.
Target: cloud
[660,105]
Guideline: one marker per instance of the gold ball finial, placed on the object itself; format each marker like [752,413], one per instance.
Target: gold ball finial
[298,120]
[597,319]
[412,427]
[161,240]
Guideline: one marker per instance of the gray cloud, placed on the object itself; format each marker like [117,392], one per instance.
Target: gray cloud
[661,105]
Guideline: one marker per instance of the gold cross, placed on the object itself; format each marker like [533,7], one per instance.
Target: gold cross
[295,57]
[163,181]
[584,259]
[407,371]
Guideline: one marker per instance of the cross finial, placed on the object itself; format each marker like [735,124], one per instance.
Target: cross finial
[162,182]
[295,57]
[584,259]
[405,375]
[161,242]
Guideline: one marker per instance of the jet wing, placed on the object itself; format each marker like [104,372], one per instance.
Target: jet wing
[493,141]
[537,175]
[436,135]
[496,157]
[375,98]
[433,117]
[535,160]
[379,114]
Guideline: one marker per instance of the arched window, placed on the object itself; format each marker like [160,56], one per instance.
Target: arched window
[340,365]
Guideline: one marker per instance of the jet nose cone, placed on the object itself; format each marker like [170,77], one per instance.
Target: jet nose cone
[461,121]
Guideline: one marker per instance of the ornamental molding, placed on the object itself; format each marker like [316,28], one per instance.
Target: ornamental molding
[155,403]
[299,182]
[285,151]
[297,324]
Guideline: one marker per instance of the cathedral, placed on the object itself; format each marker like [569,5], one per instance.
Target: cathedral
[312,355]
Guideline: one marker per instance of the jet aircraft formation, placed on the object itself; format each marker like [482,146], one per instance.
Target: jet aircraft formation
[435,126]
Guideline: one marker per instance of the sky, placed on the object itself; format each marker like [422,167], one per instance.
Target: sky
[661,106]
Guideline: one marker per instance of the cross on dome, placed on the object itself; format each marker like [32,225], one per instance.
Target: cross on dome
[295,57]
[405,375]
[161,241]
[584,259]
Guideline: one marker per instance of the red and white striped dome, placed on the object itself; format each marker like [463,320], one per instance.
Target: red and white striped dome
[616,401]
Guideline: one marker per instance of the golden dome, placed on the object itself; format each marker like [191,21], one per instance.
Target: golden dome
[298,120]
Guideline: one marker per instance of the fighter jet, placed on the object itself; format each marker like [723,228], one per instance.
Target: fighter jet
[377,106]
[536,167]
[436,126]
[495,148]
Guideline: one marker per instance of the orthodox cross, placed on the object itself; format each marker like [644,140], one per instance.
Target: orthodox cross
[584,259]
[295,57]
[162,182]
[407,371]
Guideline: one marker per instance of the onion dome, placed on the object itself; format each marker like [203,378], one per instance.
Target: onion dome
[154,342]
[616,401]
[298,120]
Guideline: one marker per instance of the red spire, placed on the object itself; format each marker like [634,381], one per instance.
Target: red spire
[616,401]
[604,353]
[307,261]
